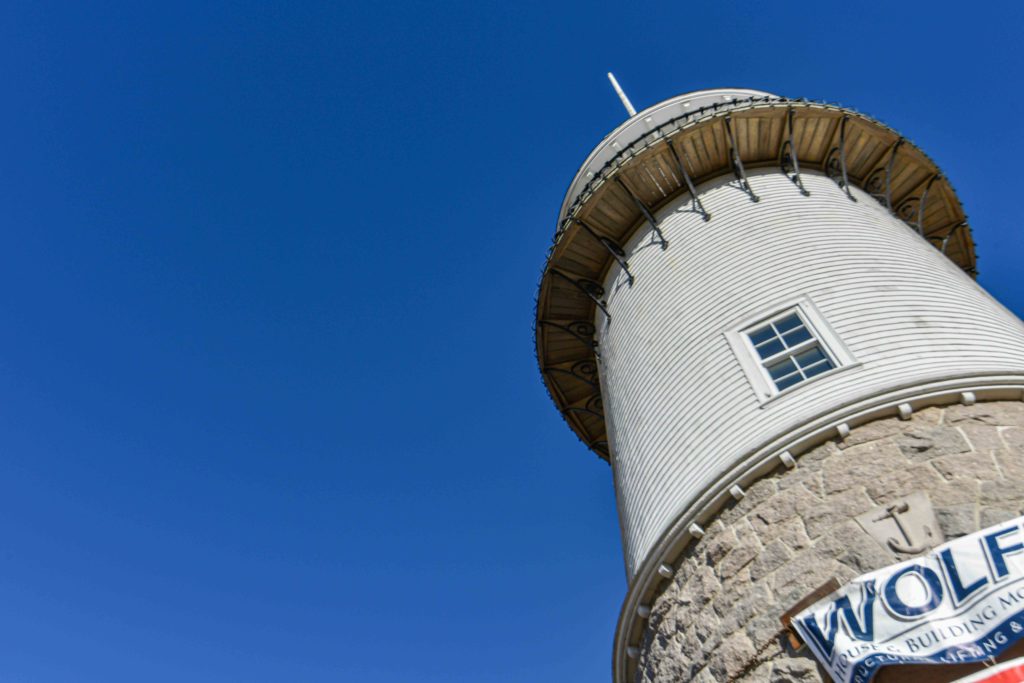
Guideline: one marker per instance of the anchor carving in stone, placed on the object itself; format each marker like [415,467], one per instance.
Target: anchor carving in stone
[893,512]
[907,526]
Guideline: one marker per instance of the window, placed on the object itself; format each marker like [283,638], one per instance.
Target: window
[789,351]
[789,347]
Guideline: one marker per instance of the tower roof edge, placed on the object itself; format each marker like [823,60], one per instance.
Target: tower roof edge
[670,149]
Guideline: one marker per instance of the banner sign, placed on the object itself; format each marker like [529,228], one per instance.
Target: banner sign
[963,602]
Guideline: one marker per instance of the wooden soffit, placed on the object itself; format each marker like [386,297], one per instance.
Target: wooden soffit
[724,139]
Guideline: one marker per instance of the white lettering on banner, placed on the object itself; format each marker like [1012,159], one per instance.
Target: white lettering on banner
[963,602]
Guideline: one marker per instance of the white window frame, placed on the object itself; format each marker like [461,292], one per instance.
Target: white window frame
[755,367]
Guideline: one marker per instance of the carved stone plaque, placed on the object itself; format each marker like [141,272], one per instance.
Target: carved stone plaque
[906,527]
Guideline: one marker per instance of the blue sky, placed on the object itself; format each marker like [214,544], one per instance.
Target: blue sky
[270,406]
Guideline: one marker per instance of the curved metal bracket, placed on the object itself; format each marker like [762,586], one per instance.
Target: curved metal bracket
[587,411]
[737,163]
[581,331]
[645,211]
[873,182]
[581,409]
[787,156]
[591,289]
[907,209]
[593,407]
[952,231]
[835,161]
[686,178]
[920,205]
[584,370]
[911,209]
[614,249]
[888,173]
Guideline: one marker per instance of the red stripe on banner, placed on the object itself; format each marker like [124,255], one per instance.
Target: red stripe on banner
[1012,675]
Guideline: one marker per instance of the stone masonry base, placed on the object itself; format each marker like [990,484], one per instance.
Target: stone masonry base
[718,619]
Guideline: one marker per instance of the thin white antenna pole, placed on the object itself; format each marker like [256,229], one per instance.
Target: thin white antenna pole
[622,96]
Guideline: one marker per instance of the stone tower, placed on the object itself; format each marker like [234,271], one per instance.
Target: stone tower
[762,313]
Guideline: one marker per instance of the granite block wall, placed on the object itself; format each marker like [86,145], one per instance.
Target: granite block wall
[718,618]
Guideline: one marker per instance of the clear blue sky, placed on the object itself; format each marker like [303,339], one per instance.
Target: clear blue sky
[270,407]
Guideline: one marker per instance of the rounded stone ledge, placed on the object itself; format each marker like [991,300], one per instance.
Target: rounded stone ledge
[647,583]
[717,618]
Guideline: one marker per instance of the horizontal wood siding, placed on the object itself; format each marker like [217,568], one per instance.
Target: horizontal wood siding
[680,409]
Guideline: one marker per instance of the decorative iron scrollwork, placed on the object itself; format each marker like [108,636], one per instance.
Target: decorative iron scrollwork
[590,286]
[593,290]
[594,406]
[888,173]
[646,211]
[832,166]
[737,163]
[921,205]
[617,252]
[680,158]
[874,184]
[581,330]
[952,231]
[787,156]
[908,209]
[585,369]
[879,182]
[835,161]
[572,372]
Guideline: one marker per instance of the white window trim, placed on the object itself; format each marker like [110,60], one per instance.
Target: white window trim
[751,362]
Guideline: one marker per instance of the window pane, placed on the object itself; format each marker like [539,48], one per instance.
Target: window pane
[787,382]
[790,351]
[818,368]
[781,368]
[798,335]
[809,357]
[786,378]
[763,334]
[771,348]
[788,323]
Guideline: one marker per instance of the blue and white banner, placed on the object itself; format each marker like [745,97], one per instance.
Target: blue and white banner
[964,602]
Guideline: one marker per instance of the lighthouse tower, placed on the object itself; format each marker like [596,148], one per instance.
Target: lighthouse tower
[762,313]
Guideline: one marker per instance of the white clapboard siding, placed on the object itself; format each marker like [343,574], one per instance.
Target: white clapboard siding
[680,409]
